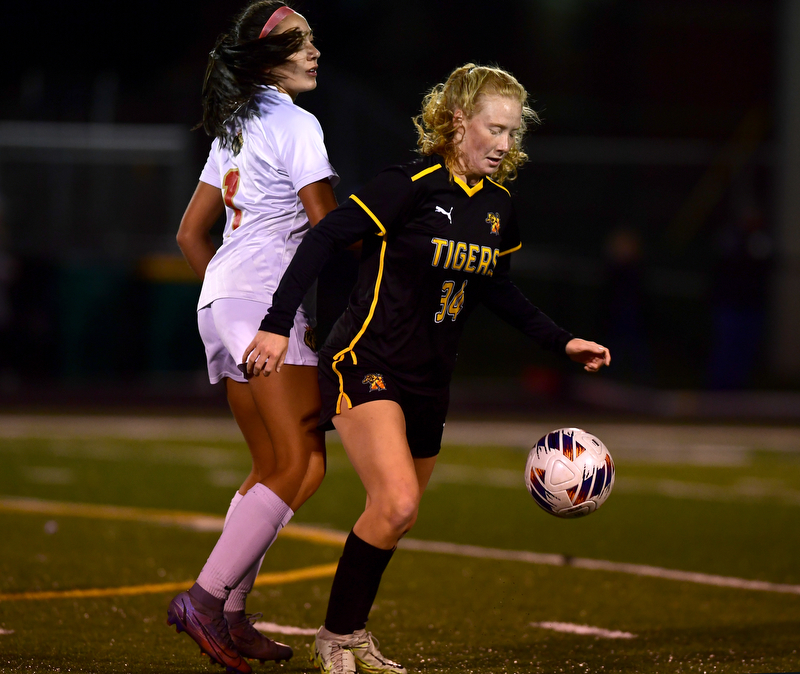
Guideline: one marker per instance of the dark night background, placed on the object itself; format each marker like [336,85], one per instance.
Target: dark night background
[655,211]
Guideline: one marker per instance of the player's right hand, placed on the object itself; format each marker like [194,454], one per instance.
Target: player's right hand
[264,354]
[591,354]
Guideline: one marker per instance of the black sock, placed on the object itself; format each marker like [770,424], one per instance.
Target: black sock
[355,585]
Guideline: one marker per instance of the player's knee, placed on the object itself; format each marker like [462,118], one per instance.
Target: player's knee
[410,524]
[400,511]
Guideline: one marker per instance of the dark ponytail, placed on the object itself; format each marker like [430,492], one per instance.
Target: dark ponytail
[237,69]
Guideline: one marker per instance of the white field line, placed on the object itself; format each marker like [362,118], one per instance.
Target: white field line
[642,441]
[709,445]
[572,628]
[744,490]
[274,628]
[2,631]
[218,459]
[633,439]
[323,536]
[220,463]
[594,565]
[124,427]
[752,489]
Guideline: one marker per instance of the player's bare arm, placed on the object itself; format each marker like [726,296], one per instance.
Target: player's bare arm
[265,354]
[591,354]
[318,200]
[194,238]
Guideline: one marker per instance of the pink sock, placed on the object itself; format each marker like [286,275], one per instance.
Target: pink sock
[252,526]
[238,595]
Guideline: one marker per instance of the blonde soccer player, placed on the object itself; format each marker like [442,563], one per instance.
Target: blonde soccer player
[438,234]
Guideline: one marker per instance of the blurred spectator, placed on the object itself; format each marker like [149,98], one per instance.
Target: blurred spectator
[741,273]
[625,331]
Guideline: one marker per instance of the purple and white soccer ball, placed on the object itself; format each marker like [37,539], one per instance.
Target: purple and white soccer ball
[569,473]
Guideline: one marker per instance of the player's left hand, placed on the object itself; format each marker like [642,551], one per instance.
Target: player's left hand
[591,354]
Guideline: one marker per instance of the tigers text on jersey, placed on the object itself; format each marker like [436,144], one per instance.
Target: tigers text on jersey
[279,151]
[433,249]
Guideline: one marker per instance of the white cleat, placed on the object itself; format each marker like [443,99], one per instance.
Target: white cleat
[369,660]
[351,653]
[331,656]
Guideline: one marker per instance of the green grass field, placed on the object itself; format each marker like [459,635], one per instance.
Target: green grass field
[85,589]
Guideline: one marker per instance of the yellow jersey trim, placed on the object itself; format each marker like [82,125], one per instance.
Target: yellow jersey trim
[500,186]
[339,357]
[510,250]
[369,213]
[428,170]
[477,187]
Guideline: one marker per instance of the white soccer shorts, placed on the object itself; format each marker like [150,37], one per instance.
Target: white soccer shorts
[227,326]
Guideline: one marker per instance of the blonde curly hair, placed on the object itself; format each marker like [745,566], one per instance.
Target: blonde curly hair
[437,129]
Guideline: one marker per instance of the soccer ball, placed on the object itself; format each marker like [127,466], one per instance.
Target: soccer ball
[569,473]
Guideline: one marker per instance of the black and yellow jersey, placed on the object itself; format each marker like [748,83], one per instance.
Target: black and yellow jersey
[433,248]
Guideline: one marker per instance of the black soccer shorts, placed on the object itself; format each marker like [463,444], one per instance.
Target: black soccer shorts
[364,382]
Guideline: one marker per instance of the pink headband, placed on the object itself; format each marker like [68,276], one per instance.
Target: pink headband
[277,16]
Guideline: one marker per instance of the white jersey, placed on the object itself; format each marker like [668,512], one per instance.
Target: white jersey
[281,151]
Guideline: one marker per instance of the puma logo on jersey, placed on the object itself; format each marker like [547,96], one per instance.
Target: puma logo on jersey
[493,219]
[449,215]
[375,382]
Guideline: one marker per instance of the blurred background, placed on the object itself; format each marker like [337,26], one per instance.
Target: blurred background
[660,207]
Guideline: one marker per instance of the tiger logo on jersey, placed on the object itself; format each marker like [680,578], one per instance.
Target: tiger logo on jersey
[493,219]
[375,382]
[310,338]
[236,144]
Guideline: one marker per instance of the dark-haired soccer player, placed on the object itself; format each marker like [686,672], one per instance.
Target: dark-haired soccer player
[268,169]
[437,237]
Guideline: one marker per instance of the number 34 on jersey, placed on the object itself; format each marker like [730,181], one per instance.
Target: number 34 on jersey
[451,303]
[459,256]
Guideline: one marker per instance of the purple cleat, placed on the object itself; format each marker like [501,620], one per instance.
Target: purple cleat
[209,631]
[252,644]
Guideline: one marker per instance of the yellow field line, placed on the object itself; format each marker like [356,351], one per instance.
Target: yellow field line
[296,575]
[190,520]
[169,517]
[109,512]
[337,538]
[276,578]
[303,532]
